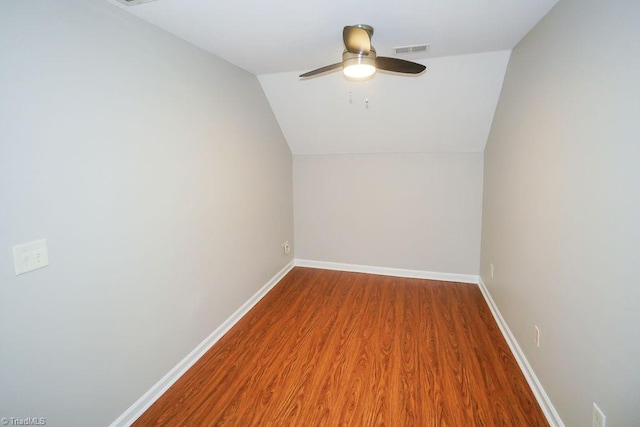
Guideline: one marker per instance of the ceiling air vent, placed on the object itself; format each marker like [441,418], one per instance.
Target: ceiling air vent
[416,48]
[134,2]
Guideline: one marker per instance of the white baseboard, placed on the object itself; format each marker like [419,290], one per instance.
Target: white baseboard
[147,399]
[385,271]
[541,396]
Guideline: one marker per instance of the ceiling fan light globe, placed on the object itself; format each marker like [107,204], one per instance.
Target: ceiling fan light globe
[359,67]
[359,71]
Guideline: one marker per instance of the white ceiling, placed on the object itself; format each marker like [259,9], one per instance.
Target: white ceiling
[285,35]
[449,109]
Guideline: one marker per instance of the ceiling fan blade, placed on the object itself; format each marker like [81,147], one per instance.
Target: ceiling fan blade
[356,40]
[399,65]
[321,70]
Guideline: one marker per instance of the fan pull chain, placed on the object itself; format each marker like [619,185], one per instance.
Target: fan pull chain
[366,100]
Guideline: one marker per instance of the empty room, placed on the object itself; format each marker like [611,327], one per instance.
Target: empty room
[413,213]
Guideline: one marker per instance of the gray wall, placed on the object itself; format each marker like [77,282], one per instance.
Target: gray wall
[417,211]
[561,214]
[163,184]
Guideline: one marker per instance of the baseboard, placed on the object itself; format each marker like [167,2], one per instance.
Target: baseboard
[147,399]
[385,271]
[541,396]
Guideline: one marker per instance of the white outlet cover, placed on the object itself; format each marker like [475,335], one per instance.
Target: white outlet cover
[30,256]
[599,420]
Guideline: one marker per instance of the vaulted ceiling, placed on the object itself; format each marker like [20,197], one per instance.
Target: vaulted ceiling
[449,108]
[283,35]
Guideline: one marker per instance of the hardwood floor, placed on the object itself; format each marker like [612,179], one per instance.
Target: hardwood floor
[329,348]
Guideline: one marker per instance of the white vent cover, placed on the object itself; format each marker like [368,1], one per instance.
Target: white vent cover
[416,48]
[134,2]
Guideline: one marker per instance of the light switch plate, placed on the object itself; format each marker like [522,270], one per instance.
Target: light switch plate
[30,256]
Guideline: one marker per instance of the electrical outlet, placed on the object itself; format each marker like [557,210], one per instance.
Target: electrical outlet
[491,270]
[599,419]
[30,256]
[286,248]
[537,336]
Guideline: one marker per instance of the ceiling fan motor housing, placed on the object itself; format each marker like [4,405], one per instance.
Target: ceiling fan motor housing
[367,28]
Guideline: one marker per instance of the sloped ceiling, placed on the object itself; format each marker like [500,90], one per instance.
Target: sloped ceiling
[284,35]
[449,108]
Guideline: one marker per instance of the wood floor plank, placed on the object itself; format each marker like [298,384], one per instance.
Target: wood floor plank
[329,348]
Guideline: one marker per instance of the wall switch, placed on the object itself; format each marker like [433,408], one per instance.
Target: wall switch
[30,256]
[537,336]
[599,419]
[286,248]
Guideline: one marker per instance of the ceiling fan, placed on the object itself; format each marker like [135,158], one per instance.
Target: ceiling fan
[359,59]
